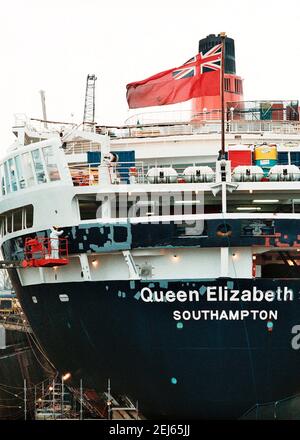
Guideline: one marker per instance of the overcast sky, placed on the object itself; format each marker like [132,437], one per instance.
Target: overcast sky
[53,45]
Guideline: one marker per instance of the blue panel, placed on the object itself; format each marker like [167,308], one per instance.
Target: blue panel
[94,157]
[283,158]
[295,158]
[126,159]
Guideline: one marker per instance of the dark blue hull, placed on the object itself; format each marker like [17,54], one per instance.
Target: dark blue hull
[200,369]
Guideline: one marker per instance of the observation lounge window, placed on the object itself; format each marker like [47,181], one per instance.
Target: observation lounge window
[7,186]
[20,173]
[12,172]
[38,165]
[27,168]
[51,165]
[3,191]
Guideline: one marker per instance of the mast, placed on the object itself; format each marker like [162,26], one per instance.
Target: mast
[43,99]
[223,37]
[89,104]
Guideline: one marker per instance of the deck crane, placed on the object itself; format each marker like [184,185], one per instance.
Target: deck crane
[89,104]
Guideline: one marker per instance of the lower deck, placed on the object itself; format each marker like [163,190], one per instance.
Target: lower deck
[103,330]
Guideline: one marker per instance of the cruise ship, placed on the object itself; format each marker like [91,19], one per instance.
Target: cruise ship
[143,256]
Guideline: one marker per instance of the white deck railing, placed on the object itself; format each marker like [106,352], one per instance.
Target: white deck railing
[123,172]
[202,127]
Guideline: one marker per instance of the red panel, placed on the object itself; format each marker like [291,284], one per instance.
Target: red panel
[240,157]
[277,112]
[208,103]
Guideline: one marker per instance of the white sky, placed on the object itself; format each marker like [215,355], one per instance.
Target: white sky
[52,45]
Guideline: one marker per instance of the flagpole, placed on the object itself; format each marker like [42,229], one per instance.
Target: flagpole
[223,36]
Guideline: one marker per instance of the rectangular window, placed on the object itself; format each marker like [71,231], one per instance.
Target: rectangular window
[2,225]
[49,158]
[38,165]
[2,180]
[283,158]
[29,216]
[8,188]
[238,86]
[16,220]
[88,209]
[20,173]
[17,217]
[9,222]
[227,84]
[27,168]
[12,173]
[295,158]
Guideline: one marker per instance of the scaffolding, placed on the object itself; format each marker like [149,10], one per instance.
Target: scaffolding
[55,403]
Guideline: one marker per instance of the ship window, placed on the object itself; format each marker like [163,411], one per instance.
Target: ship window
[144,204]
[2,179]
[28,211]
[2,226]
[7,181]
[38,165]
[9,222]
[27,167]
[16,220]
[49,158]
[295,158]
[17,217]
[227,84]
[13,178]
[20,173]
[88,209]
[63,297]
[238,86]
[283,158]
[247,203]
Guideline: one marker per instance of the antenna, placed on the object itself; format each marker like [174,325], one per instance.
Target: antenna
[42,93]
[89,104]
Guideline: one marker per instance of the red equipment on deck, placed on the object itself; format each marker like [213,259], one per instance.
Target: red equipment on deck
[240,155]
[45,252]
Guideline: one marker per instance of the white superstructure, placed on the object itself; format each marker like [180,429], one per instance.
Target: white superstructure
[47,179]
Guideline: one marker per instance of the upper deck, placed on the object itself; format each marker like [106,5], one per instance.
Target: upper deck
[52,152]
[64,159]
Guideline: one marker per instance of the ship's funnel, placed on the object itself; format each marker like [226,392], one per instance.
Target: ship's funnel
[212,40]
[209,107]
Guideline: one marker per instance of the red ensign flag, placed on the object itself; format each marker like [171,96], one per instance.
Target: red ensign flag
[200,76]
